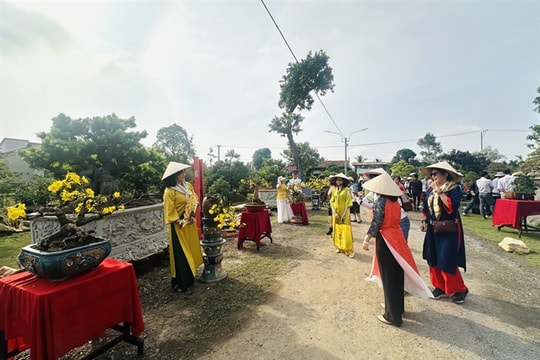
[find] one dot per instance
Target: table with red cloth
(514, 213)
(299, 209)
(51, 318)
(254, 226)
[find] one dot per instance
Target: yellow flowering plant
(255, 183)
(15, 217)
(226, 217)
(76, 204)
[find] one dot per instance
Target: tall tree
(312, 74)
(432, 148)
(102, 148)
(175, 144)
(466, 161)
(360, 158)
(259, 157)
(405, 154)
(402, 168)
(307, 155)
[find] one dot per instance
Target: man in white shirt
(484, 195)
(505, 183)
(495, 186)
(295, 181)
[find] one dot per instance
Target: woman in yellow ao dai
(341, 202)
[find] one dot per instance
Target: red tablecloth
(514, 212)
(257, 225)
(299, 208)
(54, 317)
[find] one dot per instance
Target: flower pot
(60, 265)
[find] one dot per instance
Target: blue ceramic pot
(60, 265)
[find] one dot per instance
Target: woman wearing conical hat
(444, 251)
(284, 211)
(393, 267)
(341, 202)
(180, 204)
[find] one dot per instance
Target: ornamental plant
(75, 205)
(226, 217)
(15, 217)
(255, 183)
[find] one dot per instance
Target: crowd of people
(438, 196)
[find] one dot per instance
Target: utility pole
(345, 140)
(482, 133)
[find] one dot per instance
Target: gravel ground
(322, 308)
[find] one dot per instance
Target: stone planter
(134, 233)
(60, 265)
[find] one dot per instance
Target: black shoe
(329, 232)
(438, 293)
(188, 291)
(459, 298)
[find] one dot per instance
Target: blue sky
(401, 69)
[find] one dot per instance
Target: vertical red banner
(198, 184)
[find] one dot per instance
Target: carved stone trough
(134, 233)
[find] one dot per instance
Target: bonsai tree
(76, 205)
(524, 184)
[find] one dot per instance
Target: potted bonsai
(72, 249)
(524, 188)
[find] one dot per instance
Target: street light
(346, 141)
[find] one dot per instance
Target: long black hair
(170, 181)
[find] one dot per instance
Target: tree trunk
(294, 152)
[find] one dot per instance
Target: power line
(374, 143)
(295, 59)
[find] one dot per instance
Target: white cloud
(213, 67)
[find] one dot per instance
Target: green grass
(478, 227)
(10, 247)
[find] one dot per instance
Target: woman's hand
(423, 226)
(365, 243)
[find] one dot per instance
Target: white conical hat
(377, 171)
(173, 168)
(443, 165)
(384, 185)
(341, 175)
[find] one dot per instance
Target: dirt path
(324, 309)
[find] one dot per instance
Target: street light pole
(346, 140)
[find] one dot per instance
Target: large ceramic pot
(60, 265)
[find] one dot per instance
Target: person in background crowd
(484, 195)
(444, 251)
(416, 191)
(180, 204)
(332, 182)
(405, 223)
(505, 183)
(341, 202)
(355, 208)
(295, 181)
(393, 260)
(495, 185)
(426, 182)
(367, 196)
(284, 211)
(475, 199)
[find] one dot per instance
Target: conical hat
(173, 168)
(377, 171)
(384, 185)
(443, 165)
(341, 175)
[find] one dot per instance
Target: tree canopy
(101, 148)
(175, 144)
(310, 74)
(431, 148)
